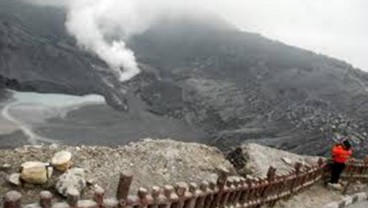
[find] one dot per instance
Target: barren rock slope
(153, 162)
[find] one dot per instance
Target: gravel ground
(359, 205)
(159, 162)
(315, 196)
(153, 162)
(257, 159)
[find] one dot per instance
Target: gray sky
(337, 28)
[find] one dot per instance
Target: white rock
(37, 146)
(90, 182)
(54, 146)
(287, 160)
(30, 164)
(331, 205)
(62, 160)
(70, 180)
(348, 200)
(5, 167)
(361, 196)
(86, 203)
(35, 172)
(14, 179)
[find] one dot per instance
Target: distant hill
(235, 86)
(241, 86)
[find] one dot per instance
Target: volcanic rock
(62, 160)
(34, 172)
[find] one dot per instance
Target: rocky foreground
(153, 162)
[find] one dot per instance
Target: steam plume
(102, 26)
(91, 23)
(313, 25)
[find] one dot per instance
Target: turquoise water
(55, 100)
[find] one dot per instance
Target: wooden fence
(227, 191)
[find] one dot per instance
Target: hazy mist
(335, 28)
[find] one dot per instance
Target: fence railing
(227, 191)
(357, 170)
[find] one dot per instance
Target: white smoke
(94, 22)
(91, 22)
(102, 26)
(313, 25)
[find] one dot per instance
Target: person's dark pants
(336, 170)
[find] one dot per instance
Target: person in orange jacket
(341, 153)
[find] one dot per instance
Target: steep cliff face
(234, 86)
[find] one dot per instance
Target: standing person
(341, 153)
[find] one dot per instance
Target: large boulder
(35, 172)
(255, 160)
(62, 160)
(70, 181)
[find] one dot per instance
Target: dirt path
(359, 205)
(6, 126)
(33, 138)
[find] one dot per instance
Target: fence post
(244, 192)
(238, 191)
(99, 194)
(361, 168)
(193, 197)
(171, 196)
(202, 192)
(289, 183)
(157, 200)
(226, 199)
(12, 199)
(72, 197)
(349, 177)
(365, 164)
(259, 189)
(269, 190)
(323, 170)
(45, 199)
(233, 192)
(144, 198)
(213, 189)
(221, 183)
(181, 189)
(321, 165)
(297, 180)
(122, 191)
(251, 188)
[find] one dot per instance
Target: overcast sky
(338, 28)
